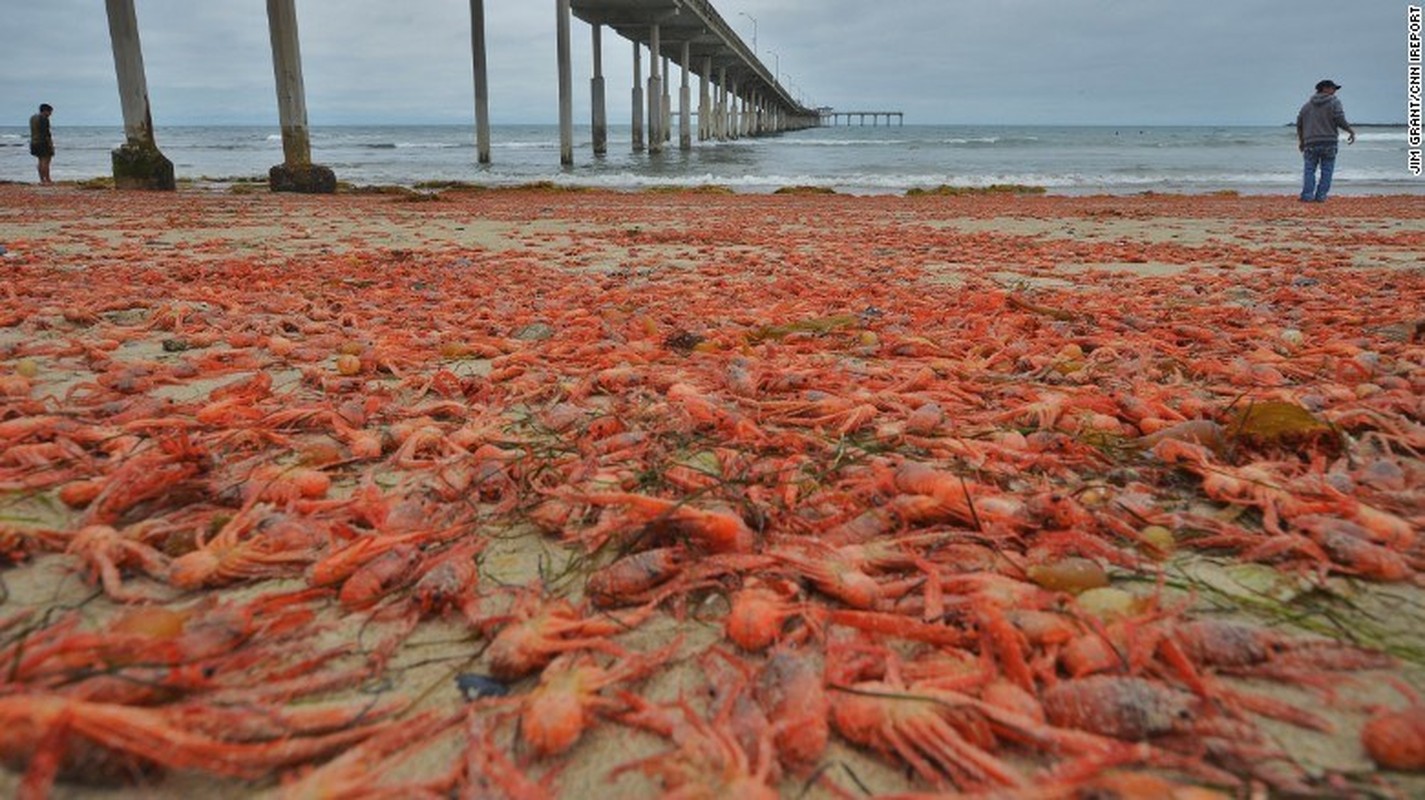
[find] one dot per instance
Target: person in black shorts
(41, 142)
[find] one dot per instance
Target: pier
(832, 117)
(737, 94)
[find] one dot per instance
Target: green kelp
(1276, 424)
(815, 325)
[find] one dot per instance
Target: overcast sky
(940, 61)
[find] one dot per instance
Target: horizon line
(470, 124)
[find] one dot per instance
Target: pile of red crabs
(796, 516)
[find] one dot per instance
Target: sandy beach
(981, 385)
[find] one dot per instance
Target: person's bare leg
(44, 172)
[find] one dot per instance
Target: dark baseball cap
(1327, 84)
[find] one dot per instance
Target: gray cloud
(950, 61)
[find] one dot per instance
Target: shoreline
(257, 184)
(860, 161)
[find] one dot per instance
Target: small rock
(475, 686)
(534, 332)
(683, 341)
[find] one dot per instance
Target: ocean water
(850, 159)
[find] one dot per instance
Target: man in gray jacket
(1316, 126)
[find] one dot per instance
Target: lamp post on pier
(754, 30)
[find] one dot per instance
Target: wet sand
(230, 247)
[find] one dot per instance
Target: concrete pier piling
(720, 115)
(705, 101)
(566, 85)
(637, 123)
(482, 83)
(685, 112)
(598, 112)
(137, 163)
(655, 94)
(667, 104)
(296, 173)
(734, 123)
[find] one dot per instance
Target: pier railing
(835, 116)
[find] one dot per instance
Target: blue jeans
(1323, 155)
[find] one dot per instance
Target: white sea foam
(413, 145)
(549, 145)
(1392, 136)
